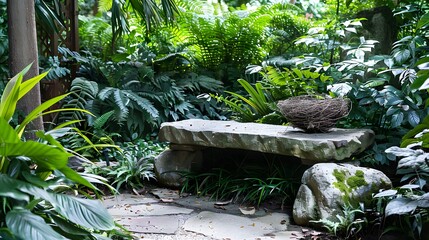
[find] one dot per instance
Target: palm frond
(49, 16)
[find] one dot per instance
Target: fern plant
(260, 103)
(292, 82)
(346, 225)
(133, 97)
(248, 109)
(226, 44)
(82, 92)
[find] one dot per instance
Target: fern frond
(101, 121)
(105, 93)
(195, 82)
(104, 5)
(143, 103)
(121, 100)
(82, 91)
(241, 111)
(85, 88)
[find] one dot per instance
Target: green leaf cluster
(134, 97)
(258, 102)
(245, 181)
(133, 163)
(31, 207)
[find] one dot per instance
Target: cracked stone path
(164, 215)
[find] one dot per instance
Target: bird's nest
(313, 114)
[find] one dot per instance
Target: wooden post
(22, 52)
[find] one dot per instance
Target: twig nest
(313, 114)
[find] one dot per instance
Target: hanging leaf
(400, 152)
(397, 119)
(413, 118)
(85, 212)
(10, 188)
(400, 206)
(387, 193)
(26, 225)
(424, 20)
(46, 156)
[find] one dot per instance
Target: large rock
(327, 187)
(171, 164)
(338, 144)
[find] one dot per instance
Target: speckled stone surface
(336, 145)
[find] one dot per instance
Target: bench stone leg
(171, 163)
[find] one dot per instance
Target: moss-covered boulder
(327, 187)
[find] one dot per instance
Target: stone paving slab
(153, 224)
(226, 226)
(147, 210)
(178, 236)
(127, 199)
(193, 218)
(166, 194)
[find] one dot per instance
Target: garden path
(162, 214)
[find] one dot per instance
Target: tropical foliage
(132, 165)
(33, 207)
(143, 63)
(134, 95)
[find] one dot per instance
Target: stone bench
(188, 138)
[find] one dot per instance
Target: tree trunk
(22, 52)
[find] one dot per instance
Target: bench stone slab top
(337, 144)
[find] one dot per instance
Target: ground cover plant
(248, 179)
(130, 166)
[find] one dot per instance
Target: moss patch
(341, 184)
(358, 180)
(347, 184)
(340, 175)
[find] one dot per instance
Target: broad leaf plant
(32, 208)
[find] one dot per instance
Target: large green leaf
(424, 20)
(401, 206)
(10, 188)
(76, 177)
(85, 212)
(45, 156)
(15, 90)
(27, 85)
(7, 133)
(10, 96)
(69, 228)
(26, 225)
(37, 112)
